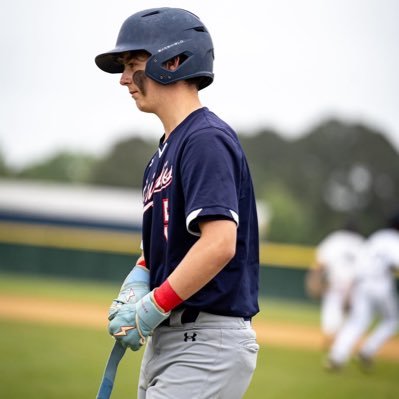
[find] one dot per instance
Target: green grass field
(57, 362)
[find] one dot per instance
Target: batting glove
(135, 286)
(135, 322)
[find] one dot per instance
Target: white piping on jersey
(149, 205)
(160, 152)
(195, 213)
(190, 218)
(235, 217)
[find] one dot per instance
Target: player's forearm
(206, 258)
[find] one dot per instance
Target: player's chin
(143, 107)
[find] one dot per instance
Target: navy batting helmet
(165, 33)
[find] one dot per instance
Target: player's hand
(135, 286)
(123, 327)
(135, 322)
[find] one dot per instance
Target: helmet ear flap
(195, 62)
(199, 81)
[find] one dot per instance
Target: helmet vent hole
(150, 13)
(184, 57)
(200, 29)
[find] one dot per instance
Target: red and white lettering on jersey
(158, 183)
(165, 212)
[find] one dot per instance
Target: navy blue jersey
(201, 173)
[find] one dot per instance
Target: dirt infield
(94, 316)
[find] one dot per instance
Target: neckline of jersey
(162, 140)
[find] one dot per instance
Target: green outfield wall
(276, 281)
(109, 255)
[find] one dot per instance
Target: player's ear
(172, 64)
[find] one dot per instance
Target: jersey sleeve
(210, 172)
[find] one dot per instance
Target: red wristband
(141, 263)
(166, 297)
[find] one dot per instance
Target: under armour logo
(187, 337)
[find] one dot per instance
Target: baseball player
(374, 295)
(200, 231)
(335, 264)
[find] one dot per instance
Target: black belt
(189, 315)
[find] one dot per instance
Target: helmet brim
(108, 62)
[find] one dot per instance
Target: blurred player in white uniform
(374, 295)
(335, 263)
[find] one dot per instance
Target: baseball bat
(108, 379)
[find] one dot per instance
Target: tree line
(336, 173)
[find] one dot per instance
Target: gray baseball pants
(211, 358)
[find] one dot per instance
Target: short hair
(142, 55)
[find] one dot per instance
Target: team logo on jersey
(158, 183)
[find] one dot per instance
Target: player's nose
(126, 78)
